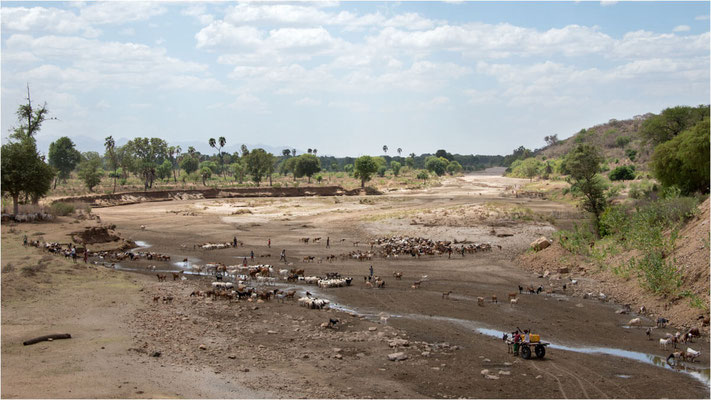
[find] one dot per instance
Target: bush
(657, 274)
(61, 209)
(684, 160)
(622, 141)
(623, 173)
(613, 221)
(576, 241)
(631, 154)
(642, 190)
(381, 171)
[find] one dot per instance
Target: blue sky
(350, 77)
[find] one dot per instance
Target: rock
(398, 342)
(400, 356)
(508, 364)
(323, 325)
(486, 360)
(563, 270)
(546, 273)
(539, 376)
(232, 356)
(156, 354)
(484, 371)
(502, 372)
(338, 357)
(425, 353)
(272, 332)
(493, 377)
(245, 370)
(372, 329)
(202, 347)
(540, 243)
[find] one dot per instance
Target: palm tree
(221, 141)
(315, 151)
(178, 150)
(286, 152)
(399, 151)
(385, 149)
(110, 144)
(309, 151)
(293, 152)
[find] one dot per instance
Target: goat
(168, 299)
(445, 295)
(380, 283)
(663, 343)
(635, 322)
(416, 284)
(494, 299)
(691, 354)
(176, 275)
(156, 298)
(693, 332)
(305, 240)
(662, 322)
(512, 295)
(513, 301)
(332, 323)
(397, 275)
(539, 290)
(161, 277)
(480, 301)
(143, 227)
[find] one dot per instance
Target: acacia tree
(365, 167)
(149, 153)
(63, 157)
(684, 160)
(259, 163)
(583, 165)
(90, 172)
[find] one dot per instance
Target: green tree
(306, 165)
(174, 155)
(148, 153)
(238, 170)
(110, 146)
(395, 166)
(348, 168)
(436, 165)
(530, 167)
(423, 175)
(63, 157)
(210, 164)
(410, 161)
(205, 174)
(365, 167)
(23, 170)
(90, 172)
(671, 122)
(165, 170)
(454, 167)
(381, 170)
(583, 165)
(189, 164)
(684, 160)
(259, 163)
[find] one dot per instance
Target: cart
(538, 347)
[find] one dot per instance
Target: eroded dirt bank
(273, 349)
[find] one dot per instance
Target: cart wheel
(525, 352)
(540, 351)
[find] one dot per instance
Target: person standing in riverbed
(234, 242)
(283, 255)
(371, 272)
(328, 242)
(86, 255)
(269, 243)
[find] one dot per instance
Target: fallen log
(47, 337)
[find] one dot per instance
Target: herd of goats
(256, 282)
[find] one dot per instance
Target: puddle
(141, 245)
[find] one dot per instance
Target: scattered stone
(232, 356)
(202, 347)
(156, 354)
(338, 357)
(539, 376)
(425, 353)
(372, 329)
(508, 364)
(493, 377)
(540, 243)
(400, 356)
(484, 371)
(399, 342)
(272, 332)
(246, 370)
(486, 360)
(546, 273)
(502, 372)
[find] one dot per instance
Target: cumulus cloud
(681, 28)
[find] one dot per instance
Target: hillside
(610, 137)
(691, 256)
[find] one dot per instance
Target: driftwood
(47, 337)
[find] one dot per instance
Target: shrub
(623, 173)
(62, 209)
(622, 141)
(576, 241)
(613, 221)
(631, 154)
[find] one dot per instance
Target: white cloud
(704, 17)
(307, 101)
(119, 12)
(127, 32)
(52, 20)
(681, 28)
(92, 63)
(607, 3)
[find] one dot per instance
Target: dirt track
(277, 349)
